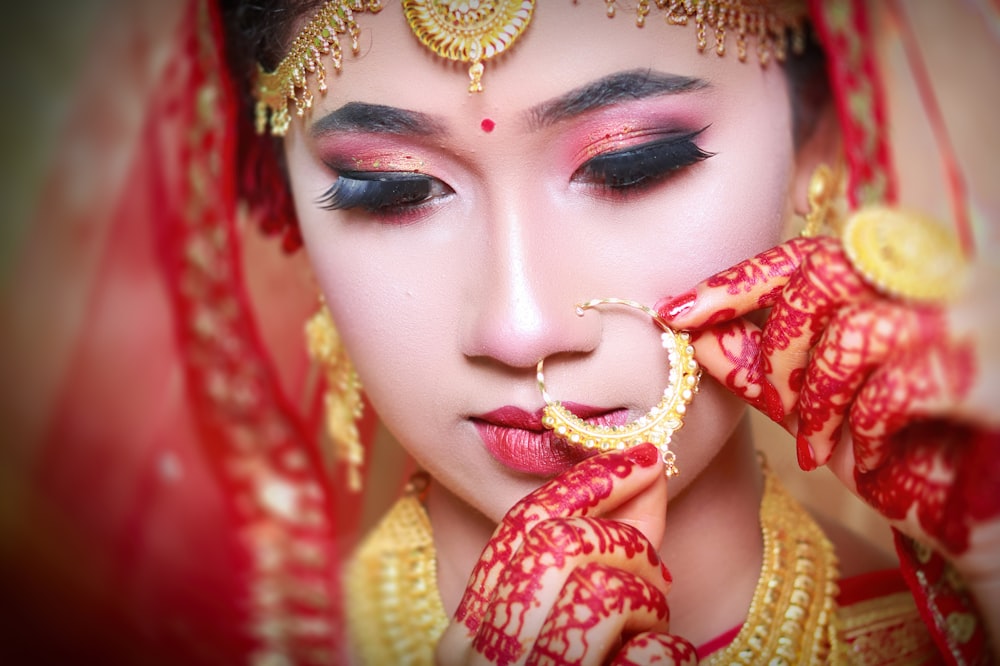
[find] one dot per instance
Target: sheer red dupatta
(856, 75)
(176, 509)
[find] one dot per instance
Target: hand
(571, 575)
(915, 385)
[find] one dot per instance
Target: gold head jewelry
(473, 31)
(290, 80)
(905, 254)
(659, 424)
(342, 401)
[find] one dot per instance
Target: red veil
(167, 501)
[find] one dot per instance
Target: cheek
(741, 210)
(393, 313)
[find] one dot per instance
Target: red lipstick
(517, 439)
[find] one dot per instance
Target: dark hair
(809, 88)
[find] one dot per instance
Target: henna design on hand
(579, 492)
(653, 648)
(909, 459)
(768, 269)
(559, 583)
(551, 552)
(834, 349)
(598, 604)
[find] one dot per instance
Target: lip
(517, 439)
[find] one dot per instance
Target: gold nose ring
(659, 424)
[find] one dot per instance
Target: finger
(656, 648)
(535, 580)
(932, 376)
(749, 285)
(938, 484)
(730, 352)
(592, 488)
(825, 281)
(857, 339)
(598, 605)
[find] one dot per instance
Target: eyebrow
(621, 86)
(376, 119)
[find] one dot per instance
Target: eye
(382, 193)
(632, 169)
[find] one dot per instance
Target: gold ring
(659, 424)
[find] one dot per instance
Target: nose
(525, 301)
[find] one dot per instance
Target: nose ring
(659, 424)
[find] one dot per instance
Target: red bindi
(487, 125)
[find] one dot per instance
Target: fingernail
(673, 308)
(804, 453)
(643, 455)
(771, 402)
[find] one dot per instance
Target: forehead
(565, 46)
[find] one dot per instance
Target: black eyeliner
(645, 163)
(375, 191)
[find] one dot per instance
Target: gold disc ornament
(659, 424)
(905, 254)
(470, 31)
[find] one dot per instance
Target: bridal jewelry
(342, 401)
(396, 615)
(473, 31)
(656, 427)
(469, 32)
(905, 254)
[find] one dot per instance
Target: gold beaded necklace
(396, 616)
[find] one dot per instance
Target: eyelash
(635, 169)
(400, 194)
(384, 193)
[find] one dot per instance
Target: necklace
(396, 616)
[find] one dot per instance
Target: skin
(446, 311)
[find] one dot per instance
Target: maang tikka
(659, 424)
(474, 31)
(342, 402)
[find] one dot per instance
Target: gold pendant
(470, 31)
(905, 254)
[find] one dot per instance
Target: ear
(822, 145)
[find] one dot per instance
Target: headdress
(476, 31)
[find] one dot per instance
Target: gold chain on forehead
(473, 31)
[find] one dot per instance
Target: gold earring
(826, 206)
(659, 424)
(342, 401)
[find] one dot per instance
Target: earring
(342, 400)
(659, 424)
(826, 206)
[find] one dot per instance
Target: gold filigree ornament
(396, 615)
(474, 31)
(905, 254)
(319, 40)
(659, 424)
(342, 402)
(468, 31)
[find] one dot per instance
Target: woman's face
(578, 173)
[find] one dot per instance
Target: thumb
(646, 510)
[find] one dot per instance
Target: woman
(453, 234)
